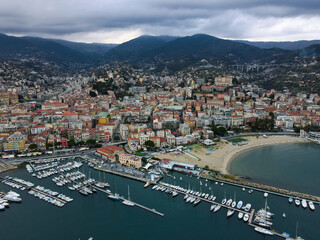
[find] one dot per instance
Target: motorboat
(240, 215)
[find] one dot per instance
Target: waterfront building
(130, 160)
(15, 142)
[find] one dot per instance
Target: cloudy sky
(121, 20)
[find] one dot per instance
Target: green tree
(33, 146)
(49, 145)
(91, 141)
(149, 144)
(71, 143)
(57, 144)
(116, 138)
(81, 143)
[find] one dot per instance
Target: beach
(221, 155)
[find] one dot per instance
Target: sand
(220, 159)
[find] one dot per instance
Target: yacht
(304, 203)
(128, 202)
(263, 230)
(217, 208)
(230, 212)
(240, 215)
(174, 194)
(146, 185)
(290, 200)
(186, 196)
(297, 202)
(196, 202)
(212, 207)
(247, 207)
(239, 205)
(229, 202)
(311, 205)
(265, 194)
(114, 196)
(284, 215)
(246, 217)
(250, 191)
(224, 201)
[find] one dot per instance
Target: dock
(136, 204)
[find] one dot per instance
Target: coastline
(280, 140)
(223, 153)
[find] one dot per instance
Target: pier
(136, 204)
(261, 188)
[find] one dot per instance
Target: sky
(118, 21)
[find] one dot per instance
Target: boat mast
(128, 193)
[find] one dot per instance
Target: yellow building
(130, 160)
(15, 142)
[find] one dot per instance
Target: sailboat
(114, 196)
(128, 202)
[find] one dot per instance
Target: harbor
(67, 178)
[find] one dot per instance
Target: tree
(57, 144)
(80, 143)
(49, 145)
(71, 143)
(149, 144)
(91, 141)
(116, 138)
(33, 146)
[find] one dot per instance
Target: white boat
(233, 204)
(265, 194)
(197, 201)
(128, 202)
(246, 217)
(174, 194)
(243, 189)
(240, 215)
(229, 202)
(224, 201)
(263, 230)
(230, 212)
(217, 208)
(146, 185)
(250, 191)
(297, 202)
(290, 200)
(1, 207)
(311, 205)
(247, 207)
(304, 203)
(212, 207)
(284, 215)
(186, 196)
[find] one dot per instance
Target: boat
(304, 203)
(114, 196)
(297, 202)
(146, 185)
(246, 217)
(196, 202)
(265, 194)
(217, 208)
(240, 215)
(230, 212)
(311, 205)
(243, 189)
(186, 196)
(284, 215)
(290, 200)
(239, 205)
(263, 230)
(224, 201)
(247, 207)
(174, 194)
(212, 207)
(128, 202)
(250, 191)
(229, 202)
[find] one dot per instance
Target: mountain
(310, 51)
(21, 47)
(295, 45)
(146, 49)
(98, 48)
(136, 49)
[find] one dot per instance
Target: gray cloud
(105, 20)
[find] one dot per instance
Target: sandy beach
(220, 159)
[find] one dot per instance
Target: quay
(263, 189)
(48, 195)
(209, 201)
(136, 204)
(127, 175)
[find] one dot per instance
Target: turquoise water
(293, 166)
(102, 218)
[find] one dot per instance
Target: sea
(98, 217)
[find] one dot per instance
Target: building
(223, 81)
(15, 142)
(130, 160)
(110, 152)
